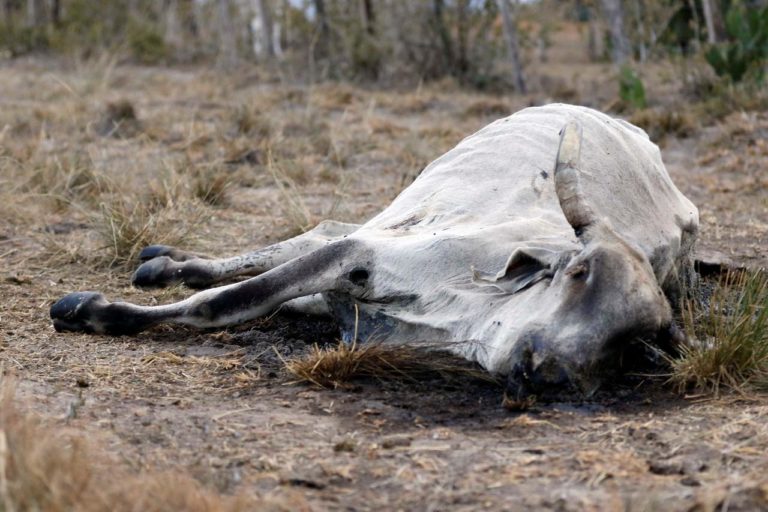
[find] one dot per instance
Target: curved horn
(567, 187)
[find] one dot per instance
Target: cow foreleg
(164, 266)
(320, 271)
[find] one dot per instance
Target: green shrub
(747, 49)
(631, 89)
(146, 43)
(20, 40)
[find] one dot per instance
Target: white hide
(492, 197)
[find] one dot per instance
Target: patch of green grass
(727, 336)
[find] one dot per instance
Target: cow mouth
(624, 355)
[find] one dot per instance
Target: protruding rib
(567, 186)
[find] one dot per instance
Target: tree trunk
(36, 15)
(369, 18)
(277, 28)
(595, 42)
(265, 16)
(322, 57)
(513, 49)
(462, 58)
(696, 25)
(324, 37)
(227, 55)
(443, 33)
(713, 20)
(640, 18)
(614, 13)
(56, 12)
(173, 33)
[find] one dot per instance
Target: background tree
(614, 14)
(513, 49)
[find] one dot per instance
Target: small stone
(395, 441)
(346, 445)
(690, 481)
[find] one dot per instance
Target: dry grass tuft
(294, 207)
(660, 122)
(64, 181)
(728, 336)
(251, 121)
(119, 120)
(57, 470)
(337, 367)
(211, 184)
(488, 107)
(127, 226)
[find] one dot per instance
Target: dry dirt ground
(219, 405)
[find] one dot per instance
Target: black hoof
(75, 312)
(154, 251)
(155, 273)
(164, 271)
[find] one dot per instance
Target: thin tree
(614, 13)
(267, 33)
(640, 19)
(173, 32)
(36, 16)
(227, 56)
(438, 8)
(696, 25)
(369, 17)
(713, 20)
(513, 49)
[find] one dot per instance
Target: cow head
(598, 298)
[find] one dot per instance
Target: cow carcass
(537, 247)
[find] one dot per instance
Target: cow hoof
(154, 273)
(154, 251)
(74, 312)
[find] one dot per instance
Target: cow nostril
(358, 276)
(549, 373)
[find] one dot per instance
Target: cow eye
(578, 271)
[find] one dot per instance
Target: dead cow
(538, 247)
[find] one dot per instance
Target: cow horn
(567, 187)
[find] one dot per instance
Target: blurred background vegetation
(482, 44)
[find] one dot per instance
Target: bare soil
(219, 405)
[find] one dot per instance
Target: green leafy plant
(631, 89)
(747, 49)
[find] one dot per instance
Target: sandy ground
(219, 405)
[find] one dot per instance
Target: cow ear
(525, 267)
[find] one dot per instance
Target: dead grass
(661, 122)
(488, 107)
(251, 120)
(211, 184)
(293, 205)
(57, 470)
(62, 181)
(340, 365)
(728, 336)
(126, 226)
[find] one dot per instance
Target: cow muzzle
(538, 370)
(539, 376)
